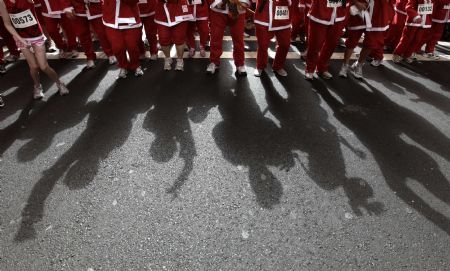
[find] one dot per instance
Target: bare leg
(166, 50)
(365, 52)
(347, 55)
(33, 65)
(41, 58)
(180, 51)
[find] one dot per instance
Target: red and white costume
(9, 42)
(304, 6)
(171, 18)
(272, 19)
(219, 19)
(147, 12)
(89, 14)
(413, 32)
(53, 15)
(440, 16)
(200, 11)
(123, 28)
(23, 18)
(297, 18)
(327, 19)
(397, 24)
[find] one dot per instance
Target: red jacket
(147, 8)
(224, 9)
(376, 18)
(121, 14)
(92, 9)
(327, 12)
(24, 19)
(419, 8)
(274, 14)
(54, 8)
(170, 14)
(441, 12)
(200, 10)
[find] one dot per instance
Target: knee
(44, 67)
(34, 68)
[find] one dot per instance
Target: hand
(417, 20)
(361, 6)
(70, 14)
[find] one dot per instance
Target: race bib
(447, 6)
(282, 13)
(334, 3)
(184, 8)
(130, 20)
(425, 9)
(23, 19)
(188, 17)
(142, 1)
(196, 2)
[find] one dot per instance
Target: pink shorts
(39, 41)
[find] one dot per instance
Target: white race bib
(182, 18)
(23, 19)
(142, 1)
(447, 6)
(130, 20)
(282, 13)
(425, 9)
(196, 2)
(334, 3)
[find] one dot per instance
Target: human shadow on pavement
(247, 138)
(305, 124)
(108, 127)
(168, 121)
(41, 121)
(381, 125)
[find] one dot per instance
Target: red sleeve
(411, 9)
(130, 2)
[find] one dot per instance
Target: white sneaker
(147, 54)
(11, 58)
(180, 65)
(38, 92)
(281, 72)
(168, 64)
(211, 69)
(154, 57)
(356, 70)
(241, 71)
(414, 56)
(257, 72)
(138, 72)
(112, 60)
(122, 73)
(326, 75)
(431, 56)
(409, 60)
(63, 90)
(90, 64)
(397, 58)
(376, 62)
(344, 71)
(309, 76)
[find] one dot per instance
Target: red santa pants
(296, 18)
(322, 40)
(395, 30)
(410, 41)
(9, 41)
(218, 23)
(150, 28)
(84, 35)
(203, 30)
(432, 36)
(123, 41)
(169, 35)
(263, 35)
(52, 26)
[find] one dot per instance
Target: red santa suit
(326, 23)
(272, 19)
(440, 16)
(24, 20)
(297, 19)
(123, 28)
(304, 6)
(147, 12)
(219, 19)
(413, 32)
(9, 42)
(200, 11)
(397, 24)
(171, 18)
(53, 15)
(89, 14)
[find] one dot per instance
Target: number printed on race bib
(282, 13)
(425, 9)
(196, 2)
(447, 6)
(334, 3)
(23, 19)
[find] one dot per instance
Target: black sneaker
(2, 69)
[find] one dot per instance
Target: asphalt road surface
(184, 171)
